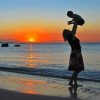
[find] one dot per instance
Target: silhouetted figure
(76, 19)
(76, 60)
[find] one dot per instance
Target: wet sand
(14, 87)
(11, 95)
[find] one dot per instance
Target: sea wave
(87, 75)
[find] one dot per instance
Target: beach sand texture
(37, 88)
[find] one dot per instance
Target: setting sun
(31, 40)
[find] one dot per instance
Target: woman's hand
(70, 22)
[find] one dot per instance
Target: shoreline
(32, 71)
(17, 87)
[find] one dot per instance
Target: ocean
(49, 60)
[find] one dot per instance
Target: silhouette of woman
(76, 63)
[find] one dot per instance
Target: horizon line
(43, 42)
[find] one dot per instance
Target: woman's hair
(66, 34)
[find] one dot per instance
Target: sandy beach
(11, 95)
(37, 88)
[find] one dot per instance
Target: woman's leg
(71, 80)
(74, 78)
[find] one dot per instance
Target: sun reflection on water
(31, 58)
(24, 85)
(31, 86)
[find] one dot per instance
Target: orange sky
(46, 32)
(43, 22)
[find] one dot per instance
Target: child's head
(70, 14)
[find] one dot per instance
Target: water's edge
(55, 73)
